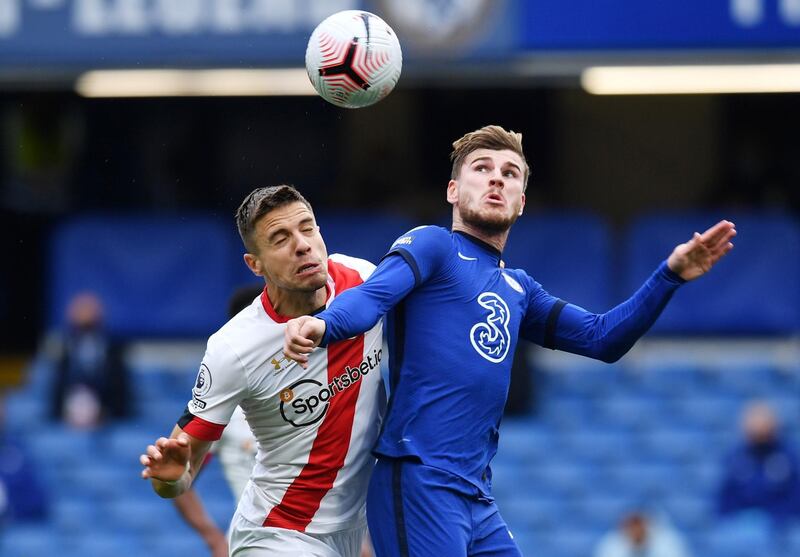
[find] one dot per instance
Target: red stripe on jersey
(303, 498)
(203, 430)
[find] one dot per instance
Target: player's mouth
(308, 269)
(495, 199)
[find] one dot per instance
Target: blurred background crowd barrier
(131, 130)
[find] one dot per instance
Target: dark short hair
(258, 203)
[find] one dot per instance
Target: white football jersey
(314, 427)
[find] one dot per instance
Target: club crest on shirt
(513, 283)
(203, 382)
(491, 338)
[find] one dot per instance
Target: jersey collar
(481, 246)
(277, 317)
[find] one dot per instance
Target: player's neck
(495, 239)
(292, 303)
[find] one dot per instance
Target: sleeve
(424, 248)
(220, 385)
(554, 323)
(358, 309)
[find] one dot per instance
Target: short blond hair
(488, 137)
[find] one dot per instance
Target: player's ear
(253, 264)
(452, 191)
(522, 206)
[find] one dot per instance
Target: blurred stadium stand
(653, 439)
(616, 183)
(173, 291)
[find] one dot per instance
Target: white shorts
(246, 539)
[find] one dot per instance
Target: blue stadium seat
(636, 412)
(29, 540)
(748, 535)
(103, 543)
(572, 479)
(76, 514)
(532, 511)
(61, 444)
(568, 253)
(598, 446)
(676, 444)
(689, 510)
(524, 441)
(766, 261)
(25, 411)
(671, 379)
(645, 481)
(593, 378)
(569, 541)
(715, 411)
(164, 292)
(565, 412)
(143, 511)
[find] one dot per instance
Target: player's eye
(307, 230)
(510, 173)
(279, 241)
(481, 167)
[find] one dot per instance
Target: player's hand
(302, 335)
(696, 257)
(166, 460)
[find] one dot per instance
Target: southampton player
(456, 316)
(314, 424)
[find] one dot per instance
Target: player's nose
(302, 245)
(496, 181)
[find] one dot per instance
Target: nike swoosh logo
(465, 258)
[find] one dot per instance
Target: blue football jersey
(451, 345)
(454, 316)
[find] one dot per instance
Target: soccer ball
(353, 59)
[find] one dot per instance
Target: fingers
(299, 340)
(719, 234)
(293, 353)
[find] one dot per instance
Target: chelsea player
(455, 315)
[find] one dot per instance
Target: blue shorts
(413, 511)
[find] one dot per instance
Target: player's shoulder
(425, 235)
(339, 262)
(520, 280)
(427, 231)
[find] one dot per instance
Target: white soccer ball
(353, 59)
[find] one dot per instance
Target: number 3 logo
(491, 339)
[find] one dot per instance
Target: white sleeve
(220, 386)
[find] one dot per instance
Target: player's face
(291, 253)
(488, 193)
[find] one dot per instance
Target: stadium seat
(34, 539)
(583, 250)
(761, 264)
(164, 293)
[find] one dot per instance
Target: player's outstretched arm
(696, 257)
(302, 335)
(172, 463)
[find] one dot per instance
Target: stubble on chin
(493, 222)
